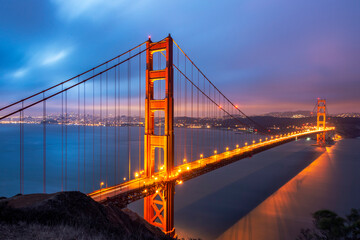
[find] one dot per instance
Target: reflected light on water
(287, 210)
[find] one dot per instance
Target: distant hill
(302, 114)
(295, 114)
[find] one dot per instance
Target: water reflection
(331, 181)
(207, 206)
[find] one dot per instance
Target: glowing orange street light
(227, 148)
(136, 174)
(237, 145)
(246, 144)
(188, 168)
(184, 160)
(101, 184)
(215, 152)
(201, 156)
(124, 178)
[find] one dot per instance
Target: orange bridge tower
(159, 207)
(321, 120)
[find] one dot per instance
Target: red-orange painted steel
(159, 207)
(321, 120)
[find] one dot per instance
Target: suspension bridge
(134, 127)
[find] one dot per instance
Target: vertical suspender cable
(197, 109)
(139, 109)
(101, 126)
(44, 144)
(62, 138)
(129, 113)
(158, 112)
(119, 129)
(93, 132)
(84, 140)
(66, 139)
(116, 124)
(192, 129)
(106, 128)
(22, 149)
(78, 132)
(185, 113)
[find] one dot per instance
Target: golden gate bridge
(135, 126)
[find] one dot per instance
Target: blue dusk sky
(265, 55)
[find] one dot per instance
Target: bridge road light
(184, 160)
(101, 184)
(201, 156)
(124, 178)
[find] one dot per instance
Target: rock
(74, 212)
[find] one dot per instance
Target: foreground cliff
(69, 215)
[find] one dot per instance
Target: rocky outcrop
(70, 215)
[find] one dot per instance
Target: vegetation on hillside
(329, 226)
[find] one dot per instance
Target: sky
(265, 55)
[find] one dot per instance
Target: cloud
(93, 9)
(20, 73)
(55, 57)
(38, 59)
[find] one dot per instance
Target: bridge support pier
(159, 207)
(321, 120)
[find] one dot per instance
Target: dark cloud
(263, 54)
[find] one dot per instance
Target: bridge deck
(141, 187)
